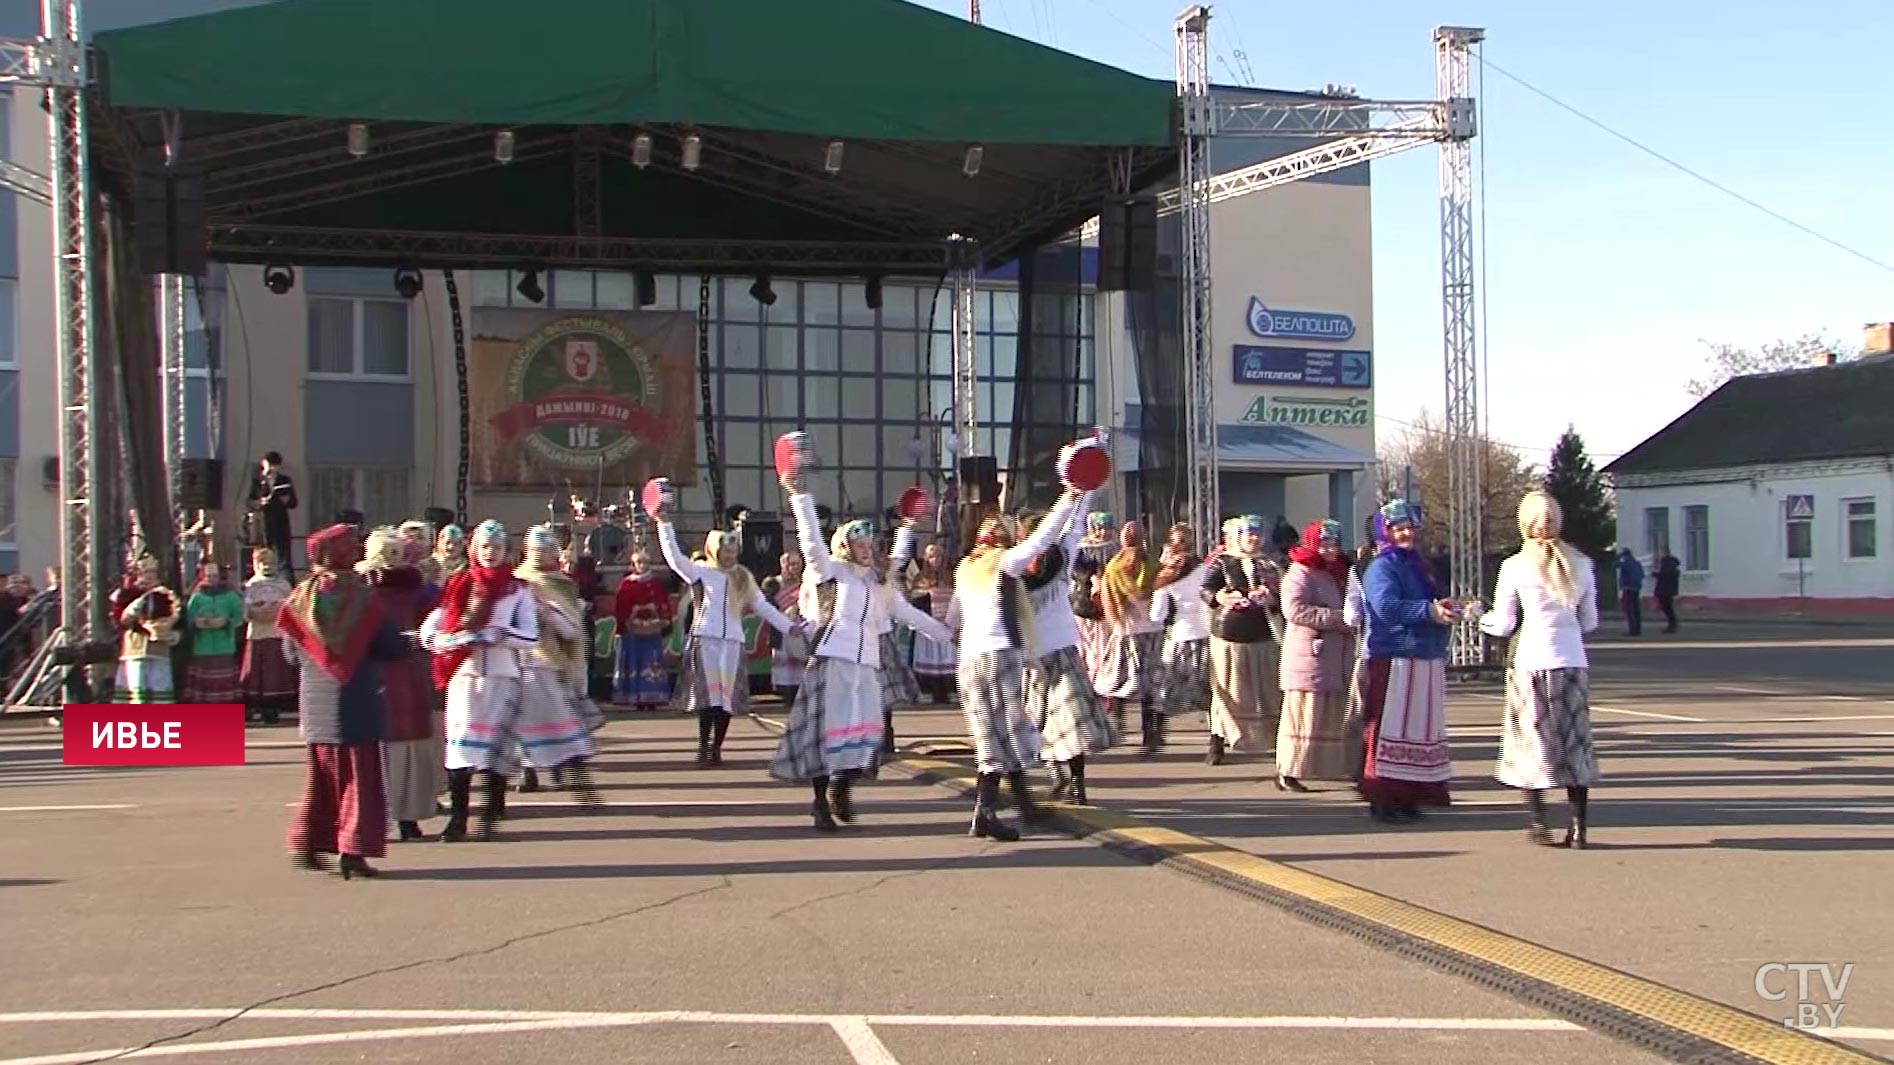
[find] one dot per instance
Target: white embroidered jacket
(513, 629)
(852, 631)
(713, 618)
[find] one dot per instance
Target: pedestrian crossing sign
(1801, 507)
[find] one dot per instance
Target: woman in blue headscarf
(1402, 685)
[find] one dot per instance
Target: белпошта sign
(1299, 325)
(1349, 413)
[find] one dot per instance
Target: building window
(383, 495)
(1697, 539)
(1861, 529)
(1656, 532)
(9, 324)
(350, 337)
(8, 467)
(1798, 534)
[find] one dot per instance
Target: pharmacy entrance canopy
(723, 136)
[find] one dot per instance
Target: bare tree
(1505, 477)
(1724, 361)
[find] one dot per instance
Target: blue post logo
(1299, 325)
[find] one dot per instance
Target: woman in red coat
(413, 752)
(642, 609)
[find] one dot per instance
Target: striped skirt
(268, 677)
(1404, 731)
(898, 684)
(834, 724)
(1059, 699)
(933, 659)
(1129, 668)
(344, 809)
(549, 730)
(1319, 737)
(213, 679)
(145, 680)
(993, 700)
(1546, 742)
(480, 714)
(713, 676)
(1183, 682)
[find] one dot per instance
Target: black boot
(1061, 781)
(819, 810)
(1215, 755)
(1147, 730)
(494, 809)
(719, 728)
(986, 822)
(410, 830)
(354, 865)
(559, 779)
(1078, 781)
(842, 799)
(1116, 707)
(459, 797)
(887, 735)
(529, 780)
(1580, 798)
(1536, 831)
(704, 717)
(1030, 812)
(577, 777)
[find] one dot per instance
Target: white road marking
(63, 809)
(1647, 713)
(863, 1044)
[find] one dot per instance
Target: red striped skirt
(268, 678)
(212, 679)
(344, 808)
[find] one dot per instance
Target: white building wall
(1748, 554)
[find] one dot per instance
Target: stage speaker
(200, 484)
(1127, 245)
(979, 480)
(169, 230)
(762, 545)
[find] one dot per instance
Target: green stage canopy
(261, 98)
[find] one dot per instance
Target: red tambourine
(914, 503)
(1084, 466)
(657, 495)
(795, 454)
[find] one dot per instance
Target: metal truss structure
(962, 263)
(1353, 132)
(171, 366)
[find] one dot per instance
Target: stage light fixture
(530, 288)
(408, 282)
(641, 150)
(762, 292)
(832, 159)
(871, 293)
(358, 139)
(503, 146)
(646, 284)
(971, 165)
(279, 277)
(693, 151)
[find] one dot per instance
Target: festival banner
(565, 397)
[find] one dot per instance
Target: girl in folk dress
(552, 727)
(642, 609)
(932, 591)
(480, 633)
(1318, 735)
(1241, 588)
(998, 637)
(1402, 686)
(1096, 548)
(421, 534)
(713, 678)
(269, 681)
(1547, 601)
(1072, 721)
(791, 654)
(412, 752)
(148, 615)
(899, 686)
(835, 725)
(450, 553)
(1177, 604)
(1128, 670)
(215, 617)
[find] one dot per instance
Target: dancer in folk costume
(932, 591)
(1071, 719)
(998, 637)
(422, 534)
(556, 718)
(1245, 693)
(486, 624)
(1319, 734)
(1546, 602)
(1402, 687)
(412, 750)
(450, 553)
(713, 677)
(1128, 670)
(642, 610)
(214, 616)
(1183, 682)
(836, 723)
(269, 681)
(148, 615)
(899, 686)
(791, 654)
(1095, 551)
(334, 628)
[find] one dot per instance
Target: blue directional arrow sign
(1355, 369)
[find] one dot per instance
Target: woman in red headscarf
(338, 633)
(1317, 739)
(1129, 670)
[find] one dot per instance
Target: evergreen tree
(1574, 481)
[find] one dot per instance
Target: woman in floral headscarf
(336, 631)
(1184, 661)
(1402, 686)
(1129, 669)
(450, 553)
(1315, 740)
(932, 590)
(148, 615)
(1241, 589)
(412, 748)
(556, 714)
(269, 681)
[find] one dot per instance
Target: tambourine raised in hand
(658, 498)
(795, 455)
(1084, 466)
(913, 504)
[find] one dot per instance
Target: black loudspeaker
(168, 226)
(1127, 245)
(200, 484)
(762, 546)
(979, 480)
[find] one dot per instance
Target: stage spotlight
(871, 293)
(646, 284)
(641, 150)
(761, 291)
(408, 282)
(832, 159)
(279, 277)
(693, 151)
(358, 139)
(503, 146)
(530, 288)
(975, 156)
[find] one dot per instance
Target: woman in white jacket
(722, 593)
(1058, 686)
(551, 729)
(1183, 679)
(835, 725)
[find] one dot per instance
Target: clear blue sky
(1605, 266)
